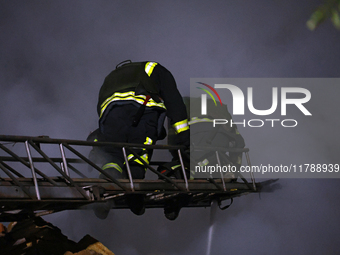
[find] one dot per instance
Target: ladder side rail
(226, 149)
(48, 140)
(38, 159)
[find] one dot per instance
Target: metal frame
(43, 193)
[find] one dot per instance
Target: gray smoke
(56, 54)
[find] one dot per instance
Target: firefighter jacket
(133, 82)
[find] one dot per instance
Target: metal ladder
(25, 189)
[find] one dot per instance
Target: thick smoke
(56, 54)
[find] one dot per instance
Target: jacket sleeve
(173, 101)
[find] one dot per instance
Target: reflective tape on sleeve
(195, 120)
(181, 126)
(149, 66)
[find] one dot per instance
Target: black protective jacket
(132, 82)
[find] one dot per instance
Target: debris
(36, 236)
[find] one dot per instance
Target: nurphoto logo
(238, 103)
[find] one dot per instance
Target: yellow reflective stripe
(130, 156)
(174, 167)
(149, 66)
(112, 165)
(239, 160)
(195, 120)
(203, 162)
(129, 96)
(148, 141)
(192, 173)
(181, 126)
(145, 157)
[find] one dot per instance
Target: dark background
(56, 54)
